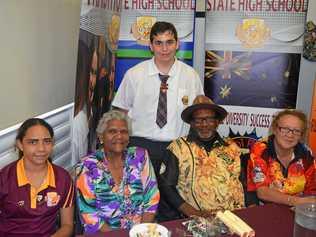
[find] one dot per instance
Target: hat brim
(186, 114)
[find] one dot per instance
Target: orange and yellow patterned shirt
(208, 180)
(264, 169)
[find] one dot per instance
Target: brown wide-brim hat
(203, 102)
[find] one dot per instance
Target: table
(270, 220)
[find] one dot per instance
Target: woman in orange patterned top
(282, 169)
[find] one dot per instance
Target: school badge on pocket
(52, 199)
(185, 100)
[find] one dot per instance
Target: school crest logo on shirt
(185, 100)
(52, 199)
(39, 198)
(258, 175)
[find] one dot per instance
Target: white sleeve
(124, 96)
(198, 85)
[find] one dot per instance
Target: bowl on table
(148, 230)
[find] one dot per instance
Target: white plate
(144, 227)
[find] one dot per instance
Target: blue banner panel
(254, 79)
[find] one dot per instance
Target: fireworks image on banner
(244, 141)
(268, 80)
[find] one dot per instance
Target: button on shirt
(139, 94)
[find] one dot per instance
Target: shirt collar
(299, 150)
(153, 70)
(22, 179)
(215, 141)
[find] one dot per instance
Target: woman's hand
(66, 219)
(148, 217)
(303, 200)
(272, 195)
(105, 228)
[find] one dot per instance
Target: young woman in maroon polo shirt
(33, 190)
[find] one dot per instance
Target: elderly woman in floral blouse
(117, 186)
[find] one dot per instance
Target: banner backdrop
(246, 124)
(267, 80)
(95, 78)
(139, 16)
(252, 61)
(278, 24)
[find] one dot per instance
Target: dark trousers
(156, 151)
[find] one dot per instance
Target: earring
(100, 140)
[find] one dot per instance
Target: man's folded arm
(168, 180)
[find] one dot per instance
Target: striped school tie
(161, 118)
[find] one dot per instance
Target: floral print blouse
(101, 201)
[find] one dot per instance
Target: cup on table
(305, 220)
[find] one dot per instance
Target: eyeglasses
(286, 131)
(167, 43)
(200, 120)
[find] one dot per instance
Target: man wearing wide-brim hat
(200, 172)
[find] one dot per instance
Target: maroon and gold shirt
(27, 211)
(264, 169)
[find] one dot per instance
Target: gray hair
(113, 114)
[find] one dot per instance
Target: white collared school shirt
(139, 94)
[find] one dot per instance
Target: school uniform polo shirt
(27, 211)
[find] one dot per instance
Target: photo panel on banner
(95, 78)
(252, 62)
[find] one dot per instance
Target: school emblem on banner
(141, 29)
(253, 33)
